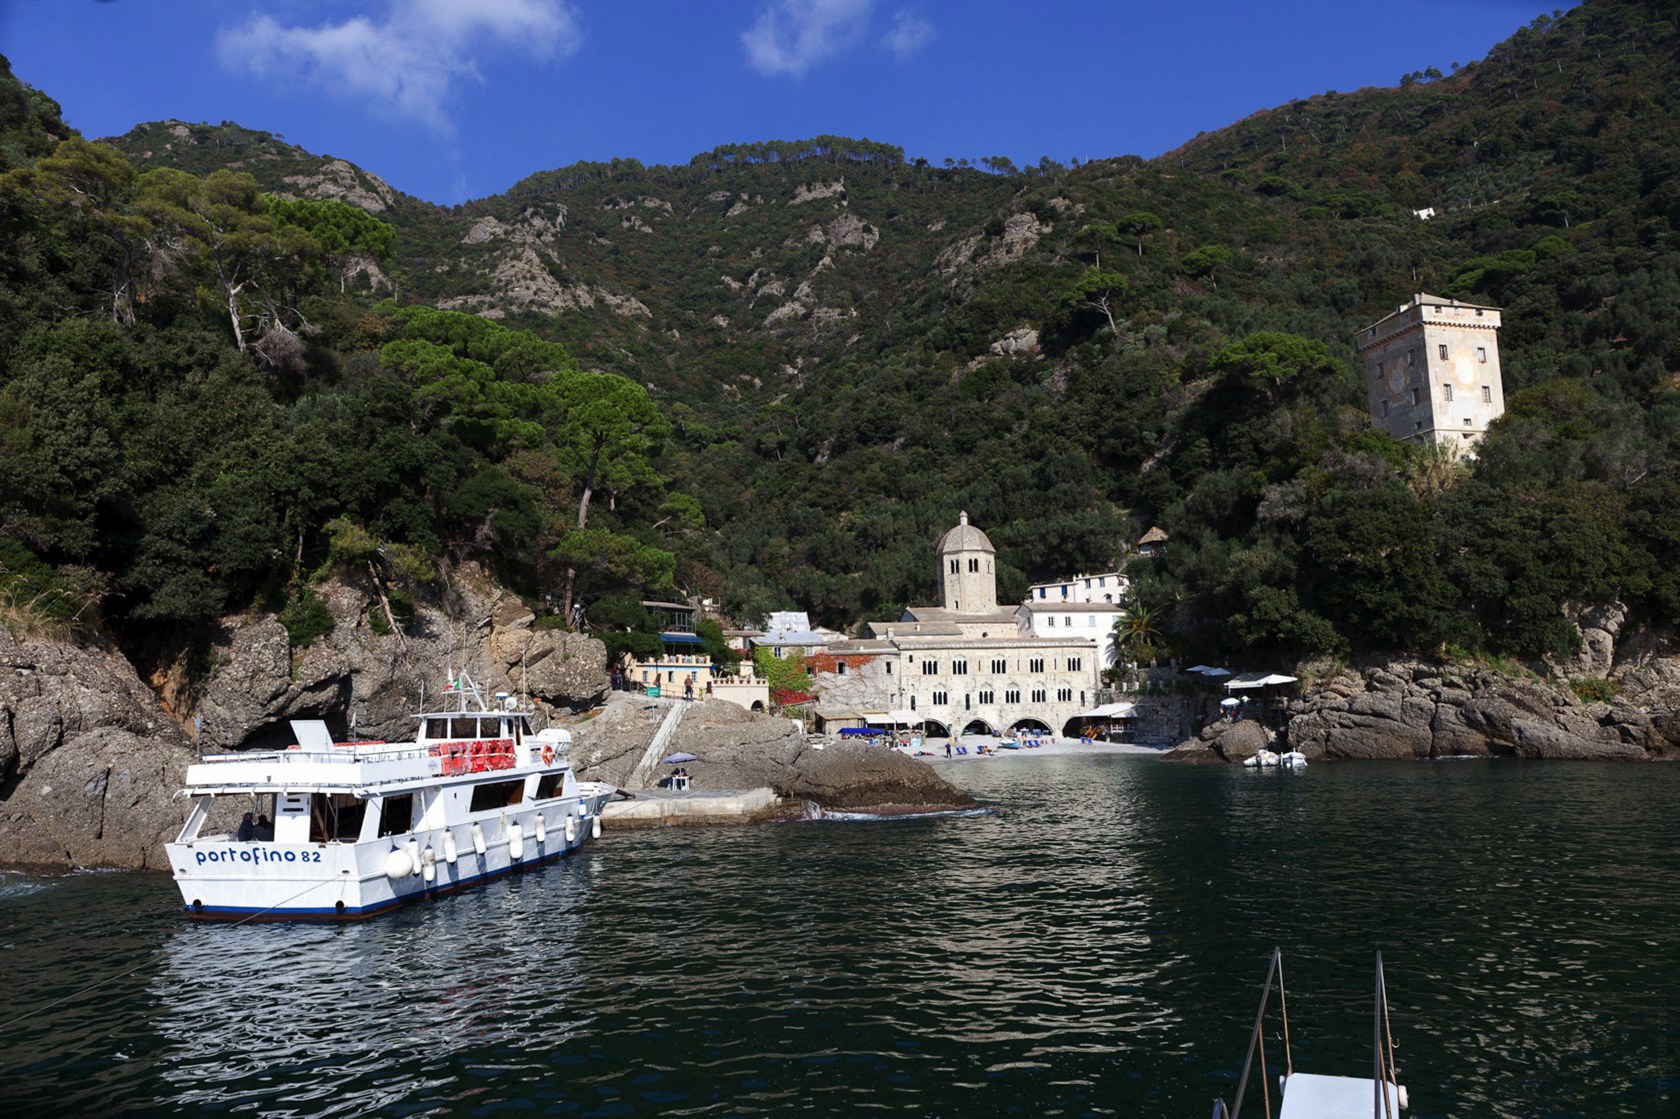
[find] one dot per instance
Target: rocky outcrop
(1224, 741)
(737, 749)
(258, 685)
(1423, 710)
(104, 798)
(89, 760)
(342, 182)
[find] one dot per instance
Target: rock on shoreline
(1414, 709)
(737, 749)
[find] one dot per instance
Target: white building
(1432, 371)
(966, 666)
(1086, 607)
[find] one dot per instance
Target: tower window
(1411, 357)
(1379, 370)
(1487, 394)
(1385, 407)
(954, 567)
(1415, 398)
(1443, 350)
(974, 565)
(1446, 392)
(1481, 354)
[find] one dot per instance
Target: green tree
(1137, 225)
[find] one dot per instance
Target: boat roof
(1312, 1096)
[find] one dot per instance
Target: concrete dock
(654, 808)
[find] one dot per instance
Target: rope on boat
(10, 1022)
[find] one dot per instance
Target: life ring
(548, 753)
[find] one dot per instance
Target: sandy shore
(1052, 747)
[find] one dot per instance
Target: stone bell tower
(968, 570)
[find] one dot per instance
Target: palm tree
(1135, 635)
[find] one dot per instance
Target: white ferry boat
(344, 830)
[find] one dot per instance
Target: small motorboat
(1304, 1095)
(1265, 759)
(1293, 759)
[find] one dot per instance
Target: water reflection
(1093, 947)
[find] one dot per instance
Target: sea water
(1094, 945)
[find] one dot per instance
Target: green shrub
(1592, 690)
(306, 618)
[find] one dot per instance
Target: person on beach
(688, 689)
(947, 749)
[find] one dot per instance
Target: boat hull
(228, 880)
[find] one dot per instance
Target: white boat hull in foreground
(361, 827)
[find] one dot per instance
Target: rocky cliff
(257, 683)
(1415, 709)
(89, 761)
(91, 757)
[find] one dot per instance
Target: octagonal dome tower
(967, 570)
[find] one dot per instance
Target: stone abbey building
(1432, 371)
(966, 666)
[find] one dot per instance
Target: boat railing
(342, 753)
(1385, 1075)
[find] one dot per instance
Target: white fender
(541, 830)
(450, 851)
(571, 829)
(428, 863)
(413, 849)
(478, 840)
(397, 865)
(516, 841)
(595, 826)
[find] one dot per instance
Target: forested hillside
(799, 360)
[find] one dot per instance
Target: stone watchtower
(1432, 371)
(966, 570)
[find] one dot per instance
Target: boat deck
(1311, 1096)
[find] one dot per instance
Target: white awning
(1110, 711)
(1251, 680)
(894, 719)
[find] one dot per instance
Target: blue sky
(456, 99)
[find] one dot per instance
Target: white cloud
(791, 36)
(909, 34)
(408, 62)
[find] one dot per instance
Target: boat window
(463, 728)
(524, 726)
(437, 728)
(335, 816)
(497, 794)
(550, 785)
(396, 814)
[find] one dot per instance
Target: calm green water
(1094, 947)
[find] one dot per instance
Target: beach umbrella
(676, 759)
